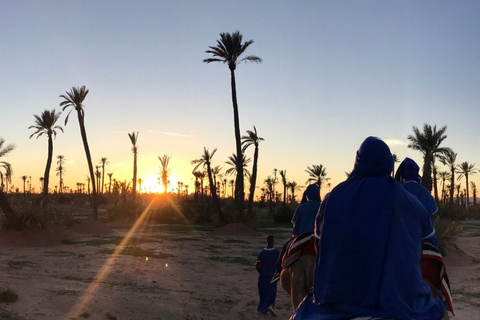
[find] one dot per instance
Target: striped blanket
(303, 244)
(433, 270)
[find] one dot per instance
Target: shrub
(445, 228)
(283, 214)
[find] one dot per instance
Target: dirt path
(164, 274)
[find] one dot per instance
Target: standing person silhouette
(265, 266)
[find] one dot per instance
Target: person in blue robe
(265, 266)
(407, 174)
(303, 219)
(370, 232)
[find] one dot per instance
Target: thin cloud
(171, 134)
(395, 142)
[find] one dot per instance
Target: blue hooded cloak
(370, 230)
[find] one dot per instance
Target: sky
(333, 73)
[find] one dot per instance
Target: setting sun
(152, 184)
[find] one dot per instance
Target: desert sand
(102, 271)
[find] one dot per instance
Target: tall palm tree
(252, 139)
(206, 161)
(45, 124)
(75, 99)
(228, 50)
(5, 168)
(283, 175)
(466, 169)
(317, 174)
(428, 143)
(164, 170)
(133, 139)
(103, 162)
(448, 158)
(60, 170)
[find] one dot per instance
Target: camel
(298, 268)
(297, 278)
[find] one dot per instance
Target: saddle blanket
(433, 270)
(303, 244)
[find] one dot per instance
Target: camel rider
(407, 173)
(303, 220)
(370, 231)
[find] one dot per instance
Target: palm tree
(283, 175)
(140, 182)
(110, 182)
(395, 160)
(164, 170)
(466, 169)
(444, 175)
(206, 161)
(60, 170)
(98, 175)
(133, 139)
(228, 50)
(474, 192)
(293, 186)
(75, 99)
(269, 182)
(248, 140)
(24, 178)
(103, 162)
(317, 174)
(234, 166)
(216, 172)
(5, 168)
(448, 158)
(199, 175)
(428, 143)
(45, 124)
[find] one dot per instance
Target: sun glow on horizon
(152, 184)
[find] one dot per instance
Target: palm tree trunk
(239, 192)
(134, 191)
(467, 198)
(90, 165)
(5, 206)
(253, 181)
(213, 191)
(435, 187)
(452, 185)
(46, 175)
(427, 172)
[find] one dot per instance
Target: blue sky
(333, 73)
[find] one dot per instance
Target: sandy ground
(97, 271)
